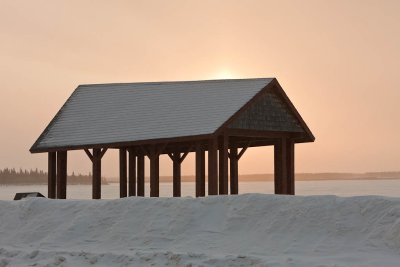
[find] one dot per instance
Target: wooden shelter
(221, 117)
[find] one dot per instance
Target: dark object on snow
(19, 196)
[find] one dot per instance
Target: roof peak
(176, 82)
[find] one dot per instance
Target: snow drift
(246, 230)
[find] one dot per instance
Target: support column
(157, 174)
(96, 176)
(140, 174)
(62, 174)
(284, 166)
(176, 169)
(122, 173)
(213, 167)
(132, 172)
(223, 165)
(290, 168)
(154, 172)
(200, 171)
(279, 165)
(234, 169)
(52, 175)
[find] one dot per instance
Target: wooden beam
(213, 167)
(88, 154)
(96, 174)
(234, 170)
(243, 150)
(62, 174)
(52, 175)
(132, 172)
(103, 151)
(122, 173)
(200, 171)
(264, 134)
(176, 170)
(117, 145)
(160, 149)
(223, 165)
(140, 174)
(184, 155)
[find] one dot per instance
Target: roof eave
(36, 149)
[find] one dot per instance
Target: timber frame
(224, 147)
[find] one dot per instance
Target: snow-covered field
(245, 230)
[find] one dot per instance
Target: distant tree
(10, 176)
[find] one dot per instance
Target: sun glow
(225, 74)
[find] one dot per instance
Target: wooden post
(52, 175)
(122, 173)
(140, 174)
(157, 176)
(290, 168)
(96, 173)
(200, 172)
(284, 166)
(154, 172)
(132, 172)
(176, 169)
(223, 165)
(213, 167)
(279, 166)
(96, 170)
(234, 169)
(177, 160)
(62, 174)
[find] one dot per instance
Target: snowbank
(246, 230)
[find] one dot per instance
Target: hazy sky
(338, 61)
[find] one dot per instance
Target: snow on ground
(245, 230)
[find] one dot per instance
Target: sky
(338, 61)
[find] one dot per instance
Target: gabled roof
(105, 114)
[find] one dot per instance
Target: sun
(224, 74)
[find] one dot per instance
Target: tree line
(24, 177)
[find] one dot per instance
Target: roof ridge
(172, 82)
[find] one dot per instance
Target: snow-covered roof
(117, 113)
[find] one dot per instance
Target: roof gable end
(270, 110)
